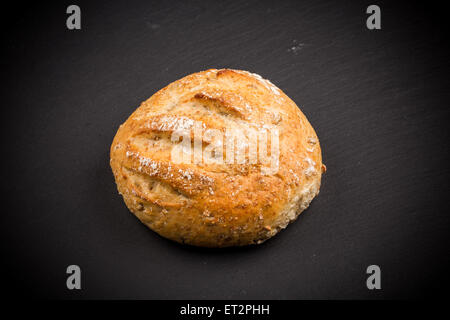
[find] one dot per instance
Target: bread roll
(218, 158)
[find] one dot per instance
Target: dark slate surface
(377, 99)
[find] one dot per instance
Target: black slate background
(377, 99)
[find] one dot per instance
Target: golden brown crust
(216, 204)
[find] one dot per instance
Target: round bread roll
(218, 158)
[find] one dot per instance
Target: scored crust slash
(218, 158)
